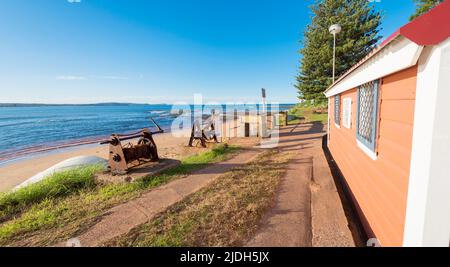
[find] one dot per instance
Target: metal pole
(334, 56)
(263, 116)
(263, 92)
(334, 29)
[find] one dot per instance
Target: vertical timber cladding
(380, 186)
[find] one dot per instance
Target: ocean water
(28, 129)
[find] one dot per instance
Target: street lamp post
(334, 29)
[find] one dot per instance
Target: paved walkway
(307, 210)
(122, 218)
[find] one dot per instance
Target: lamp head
(335, 29)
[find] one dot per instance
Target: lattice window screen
(337, 109)
(367, 114)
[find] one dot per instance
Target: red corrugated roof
(431, 28)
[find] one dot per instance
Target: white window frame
(347, 113)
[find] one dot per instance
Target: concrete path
(330, 226)
(288, 224)
(122, 218)
(307, 210)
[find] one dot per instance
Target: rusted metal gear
(124, 157)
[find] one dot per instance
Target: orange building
(389, 133)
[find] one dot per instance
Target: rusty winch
(123, 157)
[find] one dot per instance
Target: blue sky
(65, 51)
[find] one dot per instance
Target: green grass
(196, 162)
(55, 186)
(225, 213)
(55, 218)
(301, 113)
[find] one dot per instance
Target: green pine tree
(360, 24)
(423, 6)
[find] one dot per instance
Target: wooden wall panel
(380, 186)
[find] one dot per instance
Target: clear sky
(148, 51)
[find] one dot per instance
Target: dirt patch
(146, 170)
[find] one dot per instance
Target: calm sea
(30, 129)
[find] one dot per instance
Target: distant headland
(56, 105)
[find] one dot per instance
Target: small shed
(389, 133)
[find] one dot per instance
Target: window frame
(347, 104)
(369, 147)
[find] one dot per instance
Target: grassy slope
(226, 213)
(57, 186)
(48, 218)
(302, 113)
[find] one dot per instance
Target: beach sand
(13, 174)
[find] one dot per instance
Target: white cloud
(113, 77)
(74, 1)
(70, 78)
(80, 78)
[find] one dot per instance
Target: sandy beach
(13, 174)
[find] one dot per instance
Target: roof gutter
(429, 29)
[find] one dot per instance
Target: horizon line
(121, 103)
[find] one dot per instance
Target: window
(337, 110)
(347, 113)
(367, 116)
